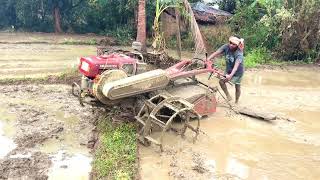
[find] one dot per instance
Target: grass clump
(65, 77)
(69, 74)
(123, 35)
(115, 157)
(77, 42)
(254, 58)
(257, 57)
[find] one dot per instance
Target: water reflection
(237, 168)
(7, 144)
(76, 166)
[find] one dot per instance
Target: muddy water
(7, 131)
(237, 147)
(71, 160)
(45, 119)
(42, 124)
(306, 78)
(75, 167)
(6, 143)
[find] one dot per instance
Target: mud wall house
(204, 14)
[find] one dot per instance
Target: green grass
(69, 73)
(76, 42)
(66, 76)
(254, 58)
(22, 80)
(116, 155)
(257, 57)
(261, 56)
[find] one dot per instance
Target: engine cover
(95, 65)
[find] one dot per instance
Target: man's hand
(228, 77)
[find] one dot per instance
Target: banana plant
(158, 38)
(187, 13)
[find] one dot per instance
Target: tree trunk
(57, 22)
(178, 35)
(135, 12)
(286, 4)
(141, 28)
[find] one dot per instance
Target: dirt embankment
(42, 113)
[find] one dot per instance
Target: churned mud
(44, 132)
(233, 146)
(47, 132)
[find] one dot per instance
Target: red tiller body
(205, 105)
(94, 65)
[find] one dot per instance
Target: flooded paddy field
(46, 134)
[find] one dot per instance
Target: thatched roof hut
(208, 14)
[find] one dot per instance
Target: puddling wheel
(160, 112)
(106, 77)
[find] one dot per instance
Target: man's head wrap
(237, 41)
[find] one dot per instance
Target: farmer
(234, 64)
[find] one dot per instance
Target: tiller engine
(178, 95)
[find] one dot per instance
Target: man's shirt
(231, 58)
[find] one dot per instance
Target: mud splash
(237, 147)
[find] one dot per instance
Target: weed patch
(116, 157)
(66, 77)
(76, 42)
(257, 57)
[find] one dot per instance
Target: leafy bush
(288, 28)
(301, 33)
(124, 34)
(256, 57)
(246, 23)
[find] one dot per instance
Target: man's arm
(215, 54)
